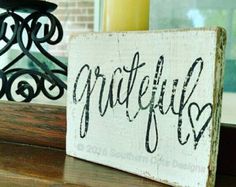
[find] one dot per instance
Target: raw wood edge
(217, 104)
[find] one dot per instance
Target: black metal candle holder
(25, 34)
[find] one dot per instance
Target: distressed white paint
(115, 141)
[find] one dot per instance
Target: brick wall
(75, 16)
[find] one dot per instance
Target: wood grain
(34, 166)
(35, 124)
(23, 123)
(99, 124)
(25, 166)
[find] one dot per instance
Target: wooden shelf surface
(23, 166)
(45, 125)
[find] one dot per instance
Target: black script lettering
(184, 100)
(197, 136)
(160, 103)
(110, 97)
(142, 92)
(110, 101)
(152, 115)
(132, 77)
(122, 94)
(88, 90)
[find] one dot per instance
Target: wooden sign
(148, 103)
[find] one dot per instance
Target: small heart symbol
(193, 107)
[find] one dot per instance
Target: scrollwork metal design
(25, 34)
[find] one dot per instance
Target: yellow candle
(125, 15)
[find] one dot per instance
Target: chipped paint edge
(217, 105)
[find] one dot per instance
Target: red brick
(66, 4)
(90, 11)
(90, 25)
(84, 18)
(85, 4)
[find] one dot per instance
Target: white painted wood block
(148, 103)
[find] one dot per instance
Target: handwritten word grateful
(115, 96)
